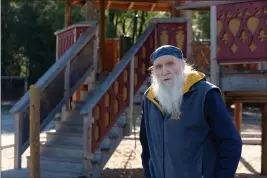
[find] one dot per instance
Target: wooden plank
(245, 93)
(18, 139)
(34, 131)
(174, 12)
(264, 141)
(246, 101)
(238, 116)
(136, 6)
(243, 82)
(102, 35)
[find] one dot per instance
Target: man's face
(166, 67)
(168, 82)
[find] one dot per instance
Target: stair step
(57, 150)
(77, 104)
(114, 132)
(251, 134)
(122, 121)
(100, 77)
(70, 127)
(60, 164)
(105, 156)
(251, 141)
(25, 173)
(65, 138)
(105, 144)
(96, 157)
(75, 117)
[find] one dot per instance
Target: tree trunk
(135, 21)
(143, 15)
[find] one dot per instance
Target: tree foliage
(201, 24)
(28, 40)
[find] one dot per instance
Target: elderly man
(186, 131)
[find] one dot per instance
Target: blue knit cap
(167, 50)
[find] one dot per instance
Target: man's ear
(151, 68)
(183, 64)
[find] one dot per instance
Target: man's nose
(165, 71)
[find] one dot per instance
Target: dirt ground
(126, 161)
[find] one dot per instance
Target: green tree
(201, 24)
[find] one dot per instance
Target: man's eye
(158, 66)
(170, 63)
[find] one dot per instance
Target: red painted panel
(65, 40)
(144, 62)
(237, 40)
(143, 56)
(110, 108)
(80, 31)
(172, 34)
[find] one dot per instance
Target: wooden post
(34, 132)
(129, 126)
(102, 35)
(18, 139)
(90, 11)
(67, 13)
(264, 141)
(238, 116)
(214, 66)
(96, 46)
(87, 142)
(174, 12)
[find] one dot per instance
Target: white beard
(169, 93)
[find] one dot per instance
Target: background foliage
(28, 26)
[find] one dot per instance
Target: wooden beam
(131, 5)
(238, 116)
(246, 93)
(174, 12)
(34, 131)
(108, 5)
(102, 35)
(153, 6)
(264, 141)
(67, 14)
(136, 6)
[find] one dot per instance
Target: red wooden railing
(68, 36)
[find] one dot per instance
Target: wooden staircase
(62, 153)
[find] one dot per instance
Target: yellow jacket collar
(190, 80)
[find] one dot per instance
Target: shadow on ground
(138, 173)
(117, 173)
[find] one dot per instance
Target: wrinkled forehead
(166, 59)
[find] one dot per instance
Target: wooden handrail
(55, 69)
(102, 89)
(56, 86)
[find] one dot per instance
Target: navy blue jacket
(202, 143)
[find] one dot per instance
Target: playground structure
(96, 107)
